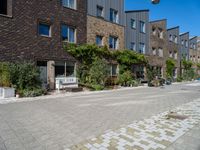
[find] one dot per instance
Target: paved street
(59, 123)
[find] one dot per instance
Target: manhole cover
(176, 116)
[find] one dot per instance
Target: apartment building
(184, 45)
(158, 46)
(105, 23)
(193, 50)
(137, 31)
(36, 30)
(174, 49)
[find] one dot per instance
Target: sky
(183, 13)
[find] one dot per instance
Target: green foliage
(198, 66)
(98, 72)
(151, 73)
(97, 87)
(32, 92)
(187, 65)
(179, 79)
(25, 76)
(126, 79)
(126, 58)
(170, 66)
(4, 75)
(189, 72)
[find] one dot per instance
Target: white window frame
(68, 28)
(66, 3)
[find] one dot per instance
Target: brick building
(36, 30)
(174, 49)
(158, 46)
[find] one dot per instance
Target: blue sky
(183, 13)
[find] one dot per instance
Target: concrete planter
(7, 92)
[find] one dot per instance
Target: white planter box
(7, 92)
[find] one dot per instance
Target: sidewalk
(57, 94)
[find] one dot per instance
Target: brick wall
(104, 28)
(19, 39)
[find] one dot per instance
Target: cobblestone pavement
(156, 133)
(60, 122)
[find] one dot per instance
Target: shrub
(32, 92)
(4, 75)
(125, 79)
(98, 72)
(170, 65)
(25, 76)
(97, 87)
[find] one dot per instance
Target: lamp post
(155, 1)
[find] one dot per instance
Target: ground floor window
(64, 69)
(114, 70)
(3, 7)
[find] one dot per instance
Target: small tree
(4, 75)
(99, 72)
(170, 66)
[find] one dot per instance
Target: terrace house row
(36, 31)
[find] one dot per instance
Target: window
(113, 16)
(113, 42)
(99, 40)
(182, 42)
(69, 3)
(133, 24)
(175, 55)
(142, 27)
(175, 39)
(154, 30)
(132, 46)
(100, 11)
(3, 7)
(114, 70)
(170, 54)
(160, 52)
(186, 43)
(170, 38)
(44, 29)
(154, 51)
(68, 34)
(142, 48)
(160, 33)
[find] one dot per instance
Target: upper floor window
(69, 3)
(44, 29)
(160, 52)
(154, 51)
(142, 48)
(170, 54)
(3, 7)
(170, 38)
(175, 55)
(175, 39)
(132, 46)
(186, 43)
(113, 15)
(160, 33)
(154, 30)
(133, 24)
(142, 26)
(182, 42)
(113, 42)
(100, 11)
(99, 40)
(68, 34)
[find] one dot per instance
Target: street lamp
(155, 1)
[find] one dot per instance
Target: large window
(69, 3)
(142, 26)
(160, 52)
(113, 16)
(99, 40)
(133, 24)
(142, 48)
(100, 12)
(3, 7)
(133, 46)
(68, 34)
(44, 29)
(113, 42)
